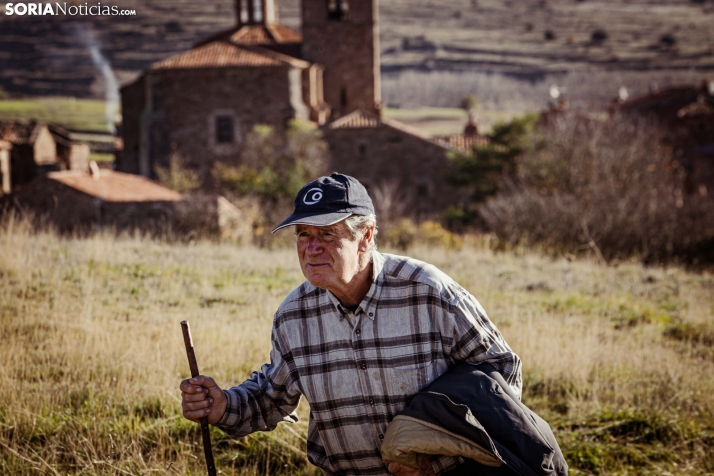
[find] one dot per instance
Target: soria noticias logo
(64, 8)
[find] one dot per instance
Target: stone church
(201, 103)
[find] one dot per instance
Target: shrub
(668, 40)
(405, 234)
(609, 187)
(481, 171)
(599, 35)
(177, 176)
(469, 103)
(402, 235)
(274, 166)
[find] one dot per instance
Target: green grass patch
(101, 157)
(633, 441)
(82, 114)
(702, 334)
(425, 113)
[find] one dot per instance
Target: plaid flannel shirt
(357, 374)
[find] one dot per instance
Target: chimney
(471, 129)
(94, 169)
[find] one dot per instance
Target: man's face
(329, 256)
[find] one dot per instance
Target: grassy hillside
(82, 114)
(618, 359)
(89, 114)
(522, 43)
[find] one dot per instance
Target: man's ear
(366, 239)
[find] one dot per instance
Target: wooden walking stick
(205, 434)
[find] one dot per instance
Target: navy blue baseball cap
(328, 200)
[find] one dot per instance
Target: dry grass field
(618, 359)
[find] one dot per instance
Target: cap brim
(324, 219)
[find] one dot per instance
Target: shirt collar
(369, 303)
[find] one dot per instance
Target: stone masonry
(347, 45)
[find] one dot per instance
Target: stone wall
(403, 172)
(45, 148)
(78, 157)
(185, 104)
(133, 103)
(349, 51)
(49, 202)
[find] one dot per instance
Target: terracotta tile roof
(17, 132)
(361, 119)
(463, 143)
(252, 35)
(256, 35)
(222, 54)
(672, 93)
(116, 187)
(284, 34)
(356, 120)
(265, 35)
(216, 55)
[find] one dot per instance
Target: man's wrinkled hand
(400, 470)
(202, 397)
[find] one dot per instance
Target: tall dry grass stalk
(92, 352)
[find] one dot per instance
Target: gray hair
(360, 223)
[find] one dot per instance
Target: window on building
(337, 9)
(362, 152)
(224, 129)
(343, 97)
(244, 17)
(257, 11)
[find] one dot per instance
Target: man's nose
(314, 245)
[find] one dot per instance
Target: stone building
(34, 150)
(343, 36)
(398, 165)
(71, 155)
(200, 104)
(78, 202)
(687, 114)
(39, 148)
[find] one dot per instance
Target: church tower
(343, 37)
(251, 12)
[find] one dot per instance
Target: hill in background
(508, 53)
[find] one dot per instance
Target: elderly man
(363, 335)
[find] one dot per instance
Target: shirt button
(371, 314)
(358, 332)
(371, 401)
(364, 366)
(381, 436)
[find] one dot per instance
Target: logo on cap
(312, 196)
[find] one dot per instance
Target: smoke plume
(111, 85)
